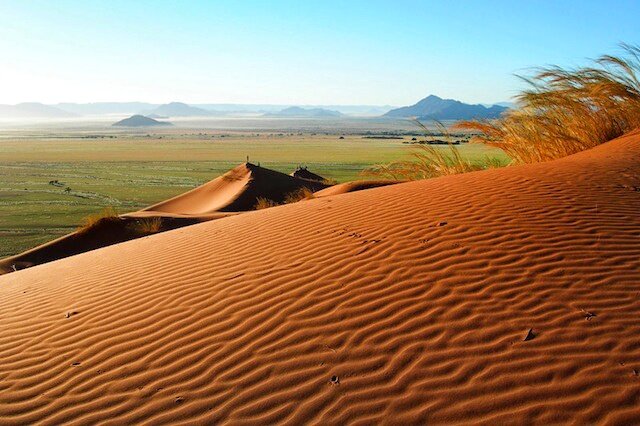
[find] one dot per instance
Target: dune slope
(504, 296)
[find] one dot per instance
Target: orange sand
(414, 298)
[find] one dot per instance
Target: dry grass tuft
(148, 225)
(430, 161)
(299, 195)
(568, 110)
(264, 203)
(108, 214)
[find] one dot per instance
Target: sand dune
(507, 296)
(236, 190)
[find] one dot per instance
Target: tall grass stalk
(565, 111)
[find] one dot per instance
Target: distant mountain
(179, 109)
(435, 108)
(105, 108)
(295, 111)
(33, 110)
(140, 121)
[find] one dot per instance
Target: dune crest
(236, 190)
(502, 296)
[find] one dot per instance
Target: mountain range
(431, 107)
(435, 108)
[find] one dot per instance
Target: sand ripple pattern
(411, 303)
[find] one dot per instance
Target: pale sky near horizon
(295, 52)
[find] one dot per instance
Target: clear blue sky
(295, 52)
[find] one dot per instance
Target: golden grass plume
(299, 195)
(108, 214)
(264, 203)
(147, 225)
(565, 111)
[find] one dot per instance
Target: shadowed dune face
(505, 296)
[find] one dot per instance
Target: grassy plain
(127, 171)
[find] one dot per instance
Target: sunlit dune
(506, 296)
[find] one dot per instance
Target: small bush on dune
(146, 226)
(299, 195)
(108, 214)
(264, 203)
(568, 110)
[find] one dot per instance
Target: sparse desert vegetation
(106, 215)
(147, 225)
(265, 203)
(567, 110)
(299, 195)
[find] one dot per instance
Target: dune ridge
(236, 190)
(502, 296)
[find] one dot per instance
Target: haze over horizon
(329, 53)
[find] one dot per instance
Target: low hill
(299, 112)
(507, 296)
(140, 121)
(33, 110)
(179, 109)
(434, 108)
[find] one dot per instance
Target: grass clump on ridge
(300, 194)
(108, 214)
(303, 193)
(431, 161)
(566, 111)
(147, 225)
(264, 203)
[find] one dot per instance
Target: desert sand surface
(496, 297)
